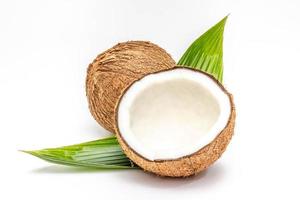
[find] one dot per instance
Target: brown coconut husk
(190, 164)
(114, 70)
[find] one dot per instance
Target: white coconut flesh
(173, 113)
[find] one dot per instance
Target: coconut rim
(220, 85)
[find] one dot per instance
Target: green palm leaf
(205, 54)
(104, 154)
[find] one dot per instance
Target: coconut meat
(171, 114)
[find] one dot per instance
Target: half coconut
(175, 122)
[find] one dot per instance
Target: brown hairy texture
(190, 164)
(117, 68)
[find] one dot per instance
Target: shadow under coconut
(207, 178)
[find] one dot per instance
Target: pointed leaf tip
(206, 52)
(101, 154)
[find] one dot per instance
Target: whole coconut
(114, 70)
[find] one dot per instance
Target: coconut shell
(114, 70)
(190, 164)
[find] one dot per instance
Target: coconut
(175, 122)
(114, 70)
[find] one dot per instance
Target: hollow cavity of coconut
(175, 122)
(113, 70)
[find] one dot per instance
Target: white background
(46, 46)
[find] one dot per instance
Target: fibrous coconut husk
(113, 70)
